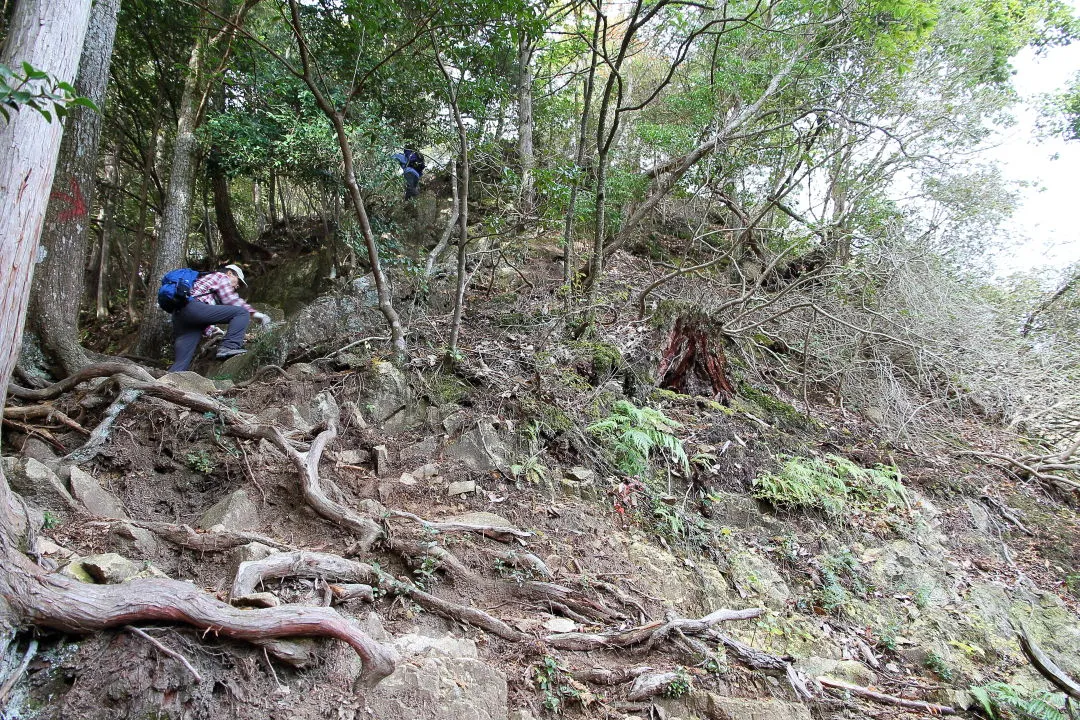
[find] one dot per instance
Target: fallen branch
(171, 653)
(869, 694)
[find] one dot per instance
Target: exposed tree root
(171, 653)
(1047, 667)
(64, 604)
(869, 694)
(31, 412)
(101, 433)
(646, 634)
(89, 372)
(200, 541)
(307, 464)
(495, 532)
(609, 677)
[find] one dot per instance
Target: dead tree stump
(693, 362)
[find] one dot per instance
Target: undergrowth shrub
(634, 435)
(1001, 701)
(832, 484)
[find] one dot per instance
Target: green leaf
(44, 113)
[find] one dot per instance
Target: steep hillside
(645, 523)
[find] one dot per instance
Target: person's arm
(226, 294)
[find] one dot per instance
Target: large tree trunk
(178, 198)
(49, 36)
(108, 225)
(59, 281)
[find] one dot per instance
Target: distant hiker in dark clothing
(412, 164)
(213, 300)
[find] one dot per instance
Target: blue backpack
(175, 290)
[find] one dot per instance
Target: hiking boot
(229, 352)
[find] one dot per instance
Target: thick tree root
(206, 541)
(869, 694)
(90, 372)
(50, 413)
(646, 634)
(307, 464)
(1047, 667)
(64, 604)
(495, 532)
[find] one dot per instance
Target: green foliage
(27, 86)
(556, 687)
(50, 520)
(200, 461)
(832, 484)
(635, 434)
(1001, 701)
(680, 685)
(936, 664)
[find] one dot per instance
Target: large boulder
(236, 512)
(95, 499)
(482, 448)
(39, 484)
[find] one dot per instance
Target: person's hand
(263, 318)
(214, 331)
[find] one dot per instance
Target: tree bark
(108, 224)
(49, 36)
(59, 281)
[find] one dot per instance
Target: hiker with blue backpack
(412, 165)
(197, 302)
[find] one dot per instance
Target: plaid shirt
(217, 289)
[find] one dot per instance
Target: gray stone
(441, 679)
(37, 483)
(520, 715)
(733, 509)
(41, 451)
(454, 424)
(301, 369)
(427, 472)
(353, 457)
(236, 513)
(324, 409)
(979, 515)
(391, 401)
(354, 415)
(461, 487)
(481, 518)
(407, 479)
(75, 569)
(382, 460)
(249, 553)
(189, 381)
(134, 541)
(481, 449)
(257, 600)
(560, 625)
(711, 705)
(98, 501)
(423, 450)
(287, 418)
(110, 568)
(849, 671)
(581, 474)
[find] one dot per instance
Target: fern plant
(1001, 701)
(635, 434)
(832, 484)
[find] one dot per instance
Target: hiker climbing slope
(412, 165)
(212, 299)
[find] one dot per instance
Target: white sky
(1045, 231)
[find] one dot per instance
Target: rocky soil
(490, 493)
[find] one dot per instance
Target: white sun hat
(239, 273)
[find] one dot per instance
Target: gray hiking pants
(190, 321)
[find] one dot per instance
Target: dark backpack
(415, 160)
(175, 290)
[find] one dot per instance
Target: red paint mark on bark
(78, 207)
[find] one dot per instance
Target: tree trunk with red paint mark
(694, 363)
(59, 279)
